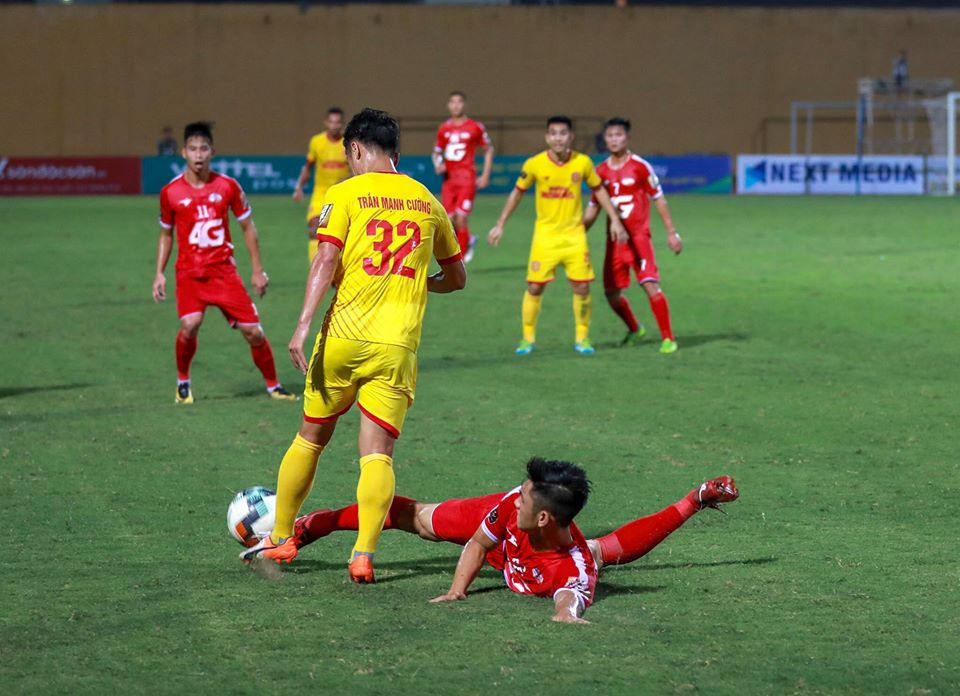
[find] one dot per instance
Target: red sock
(463, 238)
(623, 309)
(636, 539)
(661, 310)
(186, 348)
(323, 522)
(263, 358)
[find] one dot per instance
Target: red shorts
(636, 255)
(458, 520)
(458, 192)
(225, 292)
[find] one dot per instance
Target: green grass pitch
(818, 364)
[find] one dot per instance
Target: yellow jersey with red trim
(388, 227)
(329, 162)
(559, 191)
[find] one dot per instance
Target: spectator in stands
(167, 145)
(901, 71)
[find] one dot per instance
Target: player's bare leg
(294, 481)
(530, 312)
(186, 348)
(375, 490)
(636, 539)
(582, 312)
(619, 304)
(312, 225)
(406, 515)
(661, 312)
(262, 355)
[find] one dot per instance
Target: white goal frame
(952, 98)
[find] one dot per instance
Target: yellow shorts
(316, 203)
(381, 378)
(570, 252)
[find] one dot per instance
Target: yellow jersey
(559, 186)
(388, 227)
(329, 164)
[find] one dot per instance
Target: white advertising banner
(876, 175)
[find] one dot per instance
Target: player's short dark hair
(560, 118)
(374, 128)
(617, 121)
(561, 488)
(457, 93)
(202, 129)
(334, 110)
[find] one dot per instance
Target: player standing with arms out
(454, 158)
(529, 533)
(559, 237)
(197, 203)
(632, 184)
(377, 234)
(326, 157)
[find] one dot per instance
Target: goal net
(942, 178)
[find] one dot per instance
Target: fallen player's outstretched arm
(567, 607)
(470, 563)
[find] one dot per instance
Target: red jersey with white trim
(540, 573)
(631, 187)
(201, 216)
(457, 143)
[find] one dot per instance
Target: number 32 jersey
(200, 216)
(388, 227)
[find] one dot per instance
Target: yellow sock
(582, 311)
(374, 496)
(294, 481)
(530, 312)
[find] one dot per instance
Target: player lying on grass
(529, 533)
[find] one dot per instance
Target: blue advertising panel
(256, 173)
(881, 175)
(259, 174)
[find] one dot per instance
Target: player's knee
(253, 334)
(580, 288)
(613, 295)
(535, 289)
(190, 326)
(652, 288)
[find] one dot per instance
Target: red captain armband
(330, 239)
(453, 259)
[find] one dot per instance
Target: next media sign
(877, 175)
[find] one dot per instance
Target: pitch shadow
(709, 564)
(7, 392)
(605, 589)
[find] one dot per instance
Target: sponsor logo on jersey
(215, 197)
(185, 202)
(325, 215)
(629, 181)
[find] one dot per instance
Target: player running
(198, 203)
(529, 533)
(326, 156)
(378, 232)
(454, 158)
(632, 184)
(559, 237)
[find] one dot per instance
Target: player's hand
(618, 233)
(495, 234)
(567, 617)
(483, 182)
(451, 596)
(159, 288)
(674, 242)
(296, 348)
(440, 168)
(298, 194)
(259, 281)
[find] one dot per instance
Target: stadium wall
(103, 80)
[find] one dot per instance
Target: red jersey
(201, 218)
(631, 187)
(540, 573)
(457, 143)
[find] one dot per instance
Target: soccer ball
(251, 514)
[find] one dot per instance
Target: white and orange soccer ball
(251, 514)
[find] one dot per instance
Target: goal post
(942, 160)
